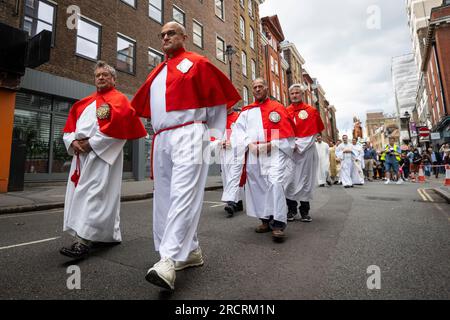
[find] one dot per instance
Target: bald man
(186, 97)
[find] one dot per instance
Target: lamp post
(408, 117)
(230, 52)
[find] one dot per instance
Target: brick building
(295, 61)
(436, 67)
(125, 34)
(275, 65)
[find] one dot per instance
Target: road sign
(435, 136)
(423, 132)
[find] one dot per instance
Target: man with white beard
(323, 149)
(358, 163)
(344, 154)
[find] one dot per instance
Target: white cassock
(358, 163)
(231, 172)
(302, 171)
(92, 209)
(346, 163)
(324, 162)
(180, 167)
(264, 189)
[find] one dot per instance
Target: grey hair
(264, 81)
(104, 65)
(300, 86)
(179, 25)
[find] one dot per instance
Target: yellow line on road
(427, 195)
(421, 194)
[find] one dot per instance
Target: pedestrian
(324, 162)
(370, 158)
(436, 160)
(426, 162)
(232, 191)
(391, 157)
(344, 153)
(265, 131)
(358, 161)
(415, 165)
(302, 179)
(187, 99)
(95, 134)
(338, 164)
(404, 166)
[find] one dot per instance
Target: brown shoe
(278, 235)
(263, 228)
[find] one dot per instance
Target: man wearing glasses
(186, 98)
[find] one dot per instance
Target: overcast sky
(351, 60)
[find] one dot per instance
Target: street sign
(423, 132)
(435, 136)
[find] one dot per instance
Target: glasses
(170, 34)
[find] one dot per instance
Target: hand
(253, 148)
(77, 147)
(86, 145)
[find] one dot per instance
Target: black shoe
(76, 251)
(291, 216)
(336, 182)
(329, 183)
(230, 208)
(306, 218)
(321, 185)
(239, 206)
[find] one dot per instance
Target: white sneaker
(195, 259)
(387, 181)
(400, 181)
(162, 274)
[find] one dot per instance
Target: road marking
(427, 195)
(28, 243)
(423, 197)
(218, 205)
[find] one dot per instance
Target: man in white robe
(264, 130)
(358, 164)
(186, 98)
(344, 152)
(302, 177)
(94, 136)
(324, 162)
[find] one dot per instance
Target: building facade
(436, 67)
(295, 61)
(84, 31)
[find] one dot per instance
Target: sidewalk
(45, 197)
(437, 185)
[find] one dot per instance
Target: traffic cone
(421, 175)
(447, 176)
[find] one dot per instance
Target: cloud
(351, 61)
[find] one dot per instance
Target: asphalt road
(405, 233)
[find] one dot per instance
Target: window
(278, 93)
(250, 8)
(272, 64)
(88, 39)
(245, 96)
(39, 15)
(274, 90)
(244, 63)
(198, 34)
(282, 76)
(154, 58)
(132, 3)
(253, 66)
(242, 27)
(252, 38)
(125, 54)
(276, 66)
(220, 49)
(241, 2)
(155, 10)
(219, 9)
(178, 15)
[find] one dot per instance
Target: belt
(163, 130)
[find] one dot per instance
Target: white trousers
(231, 168)
(180, 168)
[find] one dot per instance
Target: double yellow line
(425, 196)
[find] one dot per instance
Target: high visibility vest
(396, 152)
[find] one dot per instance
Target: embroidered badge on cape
(303, 115)
(274, 117)
(103, 112)
(185, 65)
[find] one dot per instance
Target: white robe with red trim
(264, 189)
(92, 208)
(180, 167)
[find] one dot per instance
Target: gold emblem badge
(274, 117)
(103, 112)
(303, 115)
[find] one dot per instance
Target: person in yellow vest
(391, 158)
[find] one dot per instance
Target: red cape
(285, 128)
(122, 123)
(231, 118)
(305, 127)
(204, 85)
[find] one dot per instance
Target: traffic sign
(424, 131)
